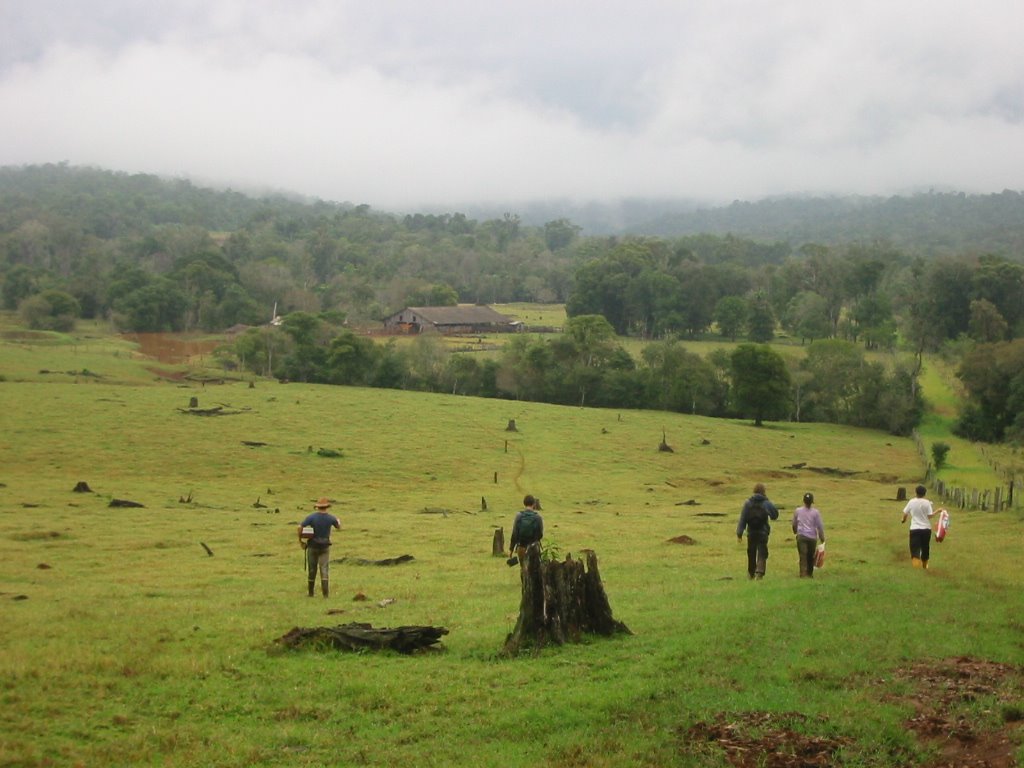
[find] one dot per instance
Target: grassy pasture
(134, 647)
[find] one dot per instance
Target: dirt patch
(684, 539)
(969, 710)
(776, 474)
(968, 713)
(770, 740)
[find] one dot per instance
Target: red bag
(943, 527)
(819, 556)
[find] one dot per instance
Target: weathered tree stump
(193, 402)
(664, 447)
(901, 494)
(498, 543)
(561, 601)
(359, 637)
(81, 487)
(511, 426)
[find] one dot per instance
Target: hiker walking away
(754, 517)
(809, 531)
(319, 545)
(527, 528)
(920, 512)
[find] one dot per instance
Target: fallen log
(359, 637)
(124, 503)
(561, 601)
(386, 561)
(217, 410)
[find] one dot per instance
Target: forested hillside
(920, 274)
(928, 224)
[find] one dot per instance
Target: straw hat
(322, 503)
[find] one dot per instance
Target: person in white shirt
(919, 510)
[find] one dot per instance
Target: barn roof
(463, 314)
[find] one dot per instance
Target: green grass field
(125, 643)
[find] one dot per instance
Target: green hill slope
(135, 646)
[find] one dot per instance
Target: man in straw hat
(319, 545)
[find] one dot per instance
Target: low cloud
(398, 107)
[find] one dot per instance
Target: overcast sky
(407, 103)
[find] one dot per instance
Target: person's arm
(795, 514)
(300, 532)
(821, 529)
(515, 534)
(773, 511)
(742, 523)
(337, 523)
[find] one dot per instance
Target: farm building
(464, 318)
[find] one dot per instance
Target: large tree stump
(498, 543)
(561, 601)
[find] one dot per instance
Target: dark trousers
(807, 549)
(920, 543)
(757, 553)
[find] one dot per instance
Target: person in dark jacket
(527, 528)
(754, 517)
(319, 545)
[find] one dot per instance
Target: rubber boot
(312, 584)
(324, 588)
(924, 564)
(916, 562)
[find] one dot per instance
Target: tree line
(156, 255)
(587, 365)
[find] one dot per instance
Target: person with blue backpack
(754, 517)
(527, 528)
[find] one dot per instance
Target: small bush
(939, 453)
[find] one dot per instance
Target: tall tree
(760, 382)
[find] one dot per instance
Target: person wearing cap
(809, 531)
(318, 547)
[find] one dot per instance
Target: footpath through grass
(125, 643)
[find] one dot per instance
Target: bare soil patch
(968, 713)
(970, 710)
(770, 740)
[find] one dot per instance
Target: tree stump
(498, 543)
(664, 447)
(193, 402)
(511, 426)
(561, 601)
(901, 494)
(81, 487)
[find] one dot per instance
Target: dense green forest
(925, 273)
